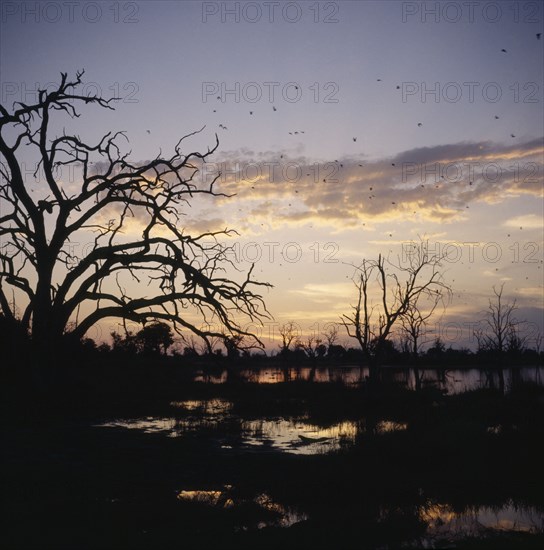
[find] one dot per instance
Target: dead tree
(501, 331)
(162, 274)
(386, 291)
(414, 327)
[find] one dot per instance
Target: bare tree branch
(163, 275)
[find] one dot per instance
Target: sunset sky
(352, 128)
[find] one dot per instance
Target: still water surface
(233, 433)
(451, 380)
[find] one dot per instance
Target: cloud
(269, 190)
(436, 184)
(528, 221)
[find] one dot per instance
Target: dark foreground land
(417, 470)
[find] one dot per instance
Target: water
(229, 431)
(296, 436)
(451, 380)
(275, 514)
(445, 525)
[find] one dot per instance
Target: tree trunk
(417, 376)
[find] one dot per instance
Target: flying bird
(148, 131)
(354, 139)
(274, 108)
(496, 117)
(512, 135)
(504, 51)
(419, 124)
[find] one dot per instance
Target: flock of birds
(354, 140)
(398, 87)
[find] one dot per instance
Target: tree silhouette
(501, 328)
(155, 338)
(414, 327)
(386, 293)
(289, 335)
(501, 331)
(163, 274)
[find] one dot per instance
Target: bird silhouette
(419, 124)
(274, 108)
(504, 51)
(354, 139)
(496, 117)
(512, 135)
(250, 112)
(148, 131)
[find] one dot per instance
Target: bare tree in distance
(173, 276)
(386, 291)
(289, 333)
(501, 330)
(500, 324)
(309, 345)
(414, 325)
(331, 334)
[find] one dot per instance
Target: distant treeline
(157, 341)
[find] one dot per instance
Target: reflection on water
(452, 380)
(278, 515)
(208, 407)
(275, 434)
(384, 426)
(298, 437)
(446, 525)
(278, 434)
